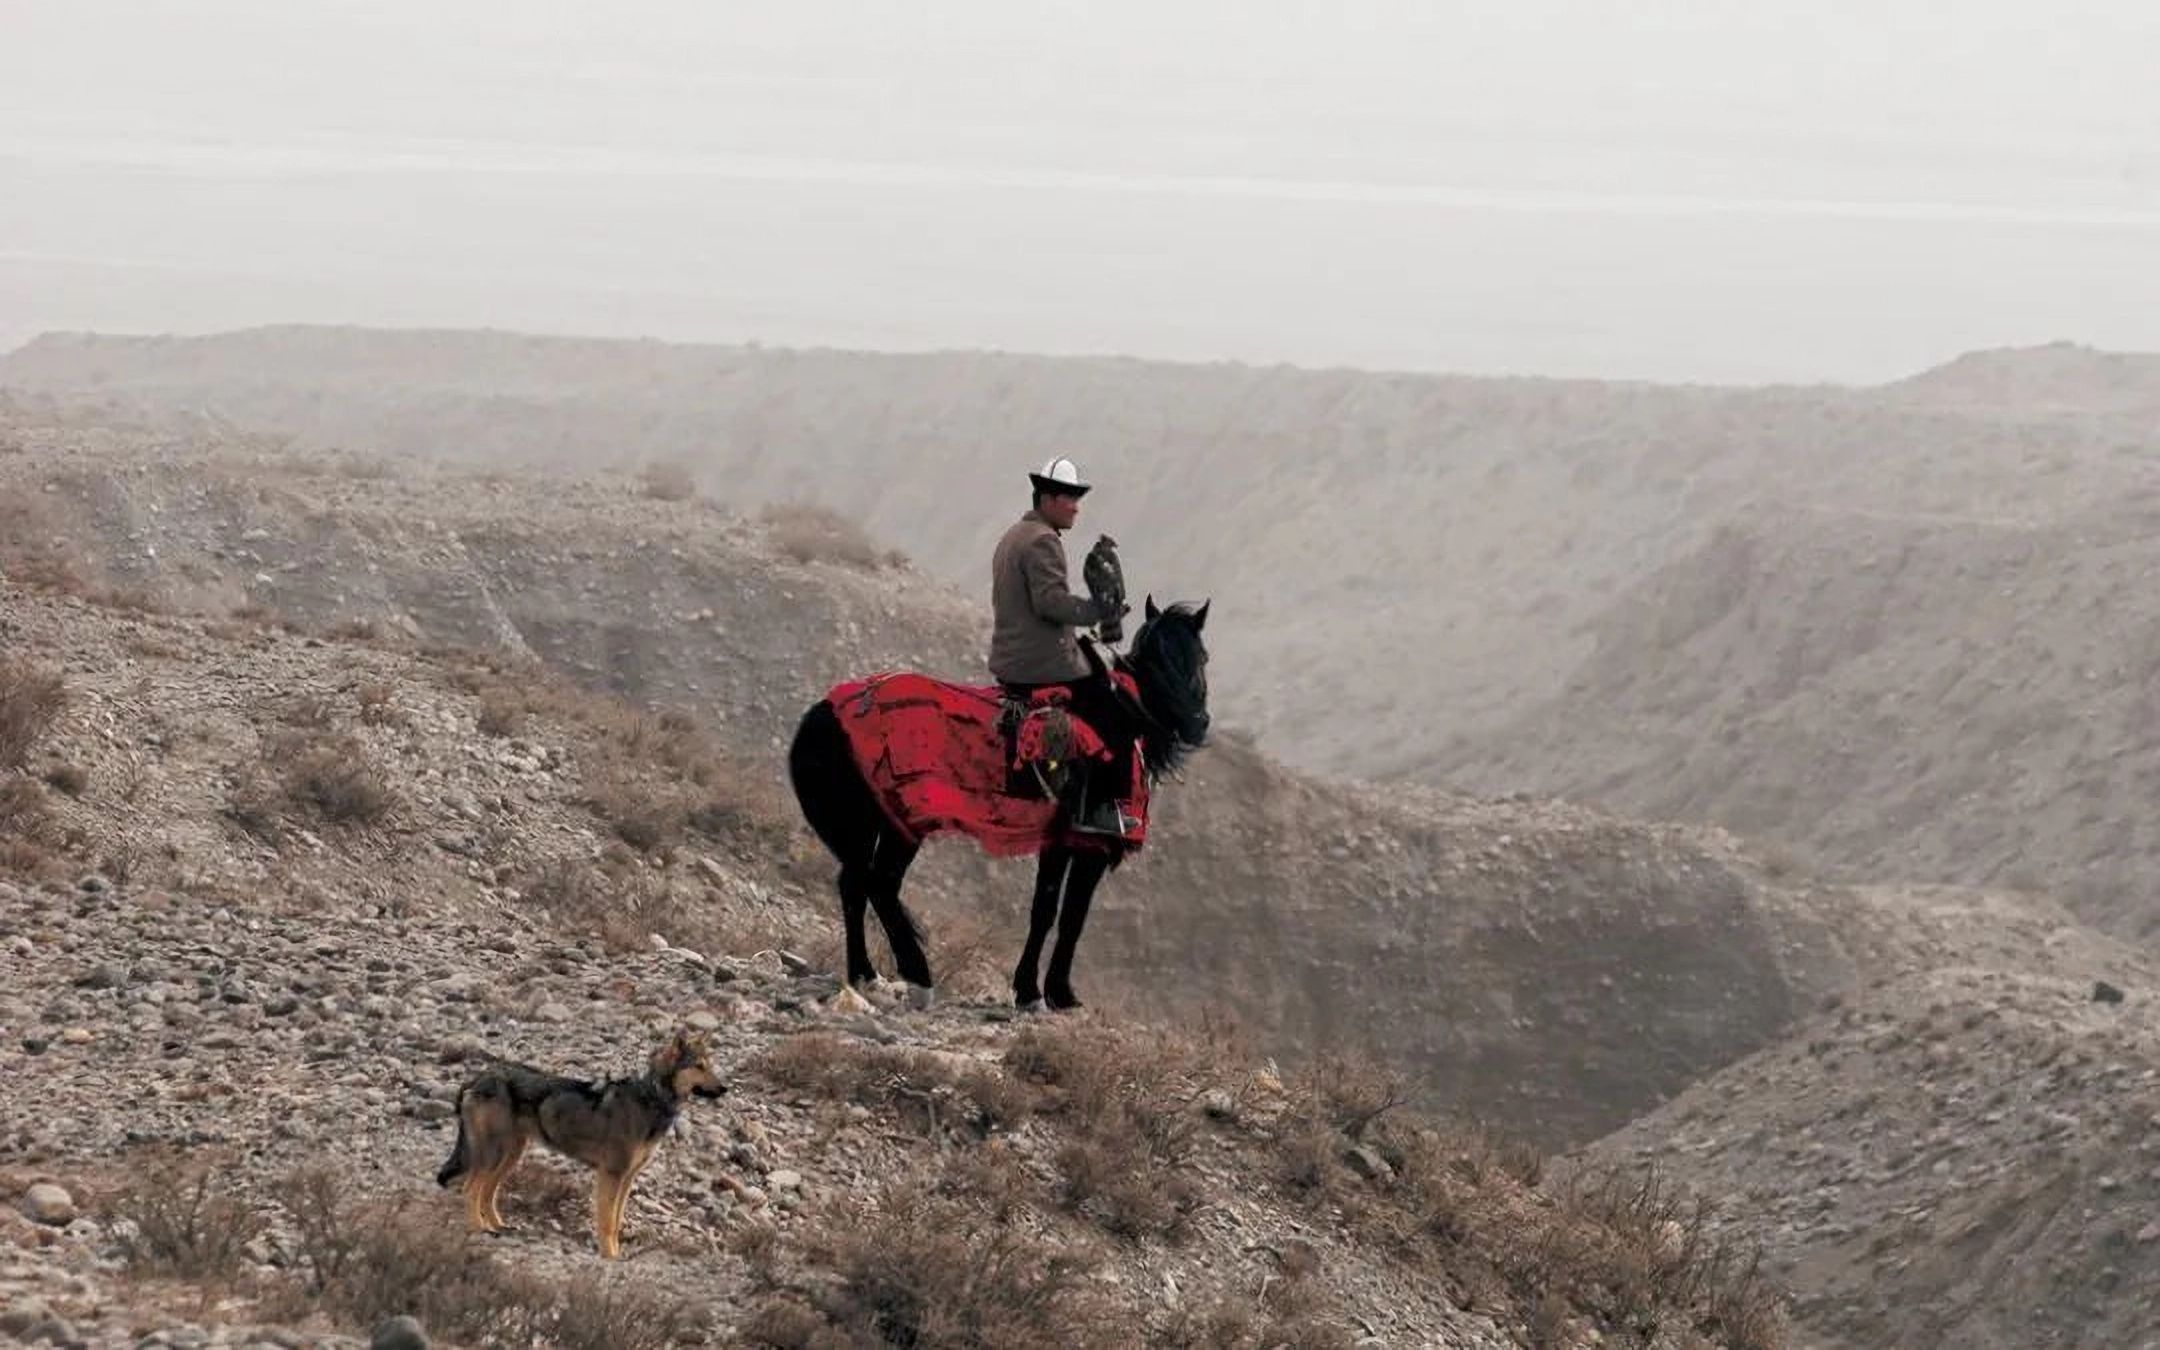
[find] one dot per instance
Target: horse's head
(1169, 662)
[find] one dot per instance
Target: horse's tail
(835, 800)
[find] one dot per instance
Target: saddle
(1042, 742)
(941, 757)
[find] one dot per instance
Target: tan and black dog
(612, 1127)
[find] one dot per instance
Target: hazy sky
(1768, 190)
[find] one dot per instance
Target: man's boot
(1100, 814)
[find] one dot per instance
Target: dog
(613, 1127)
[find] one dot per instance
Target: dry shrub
(621, 908)
(131, 599)
(1623, 1252)
(329, 777)
(807, 532)
(1637, 1254)
(1334, 1108)
(501, 714)
(365, 1262)
(1127, 1100)
(1350, 1091)
(1292, 1308)
(151, 647)
(31, 699)
(1130, 1198)
(180, 1223)
(924, 1269)
(263, 616)
(377, 700)
(314, 711)
(363, 466)
(624, 903)
(1308, 1156)
(936, 1092)
(787, 1324)
(335, 778)
(669, 481)
(650, 817)
(972, 956)
(28, 833)
(32, 553)
(654, 778)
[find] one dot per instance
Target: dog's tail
(460, 1153)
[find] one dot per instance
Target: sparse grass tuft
(328, 776)
(918, 1268)
(1128, 1104)
(363, 1262)
(806, 532)
(940, 1092)
(31, 700)
(185, 1225)
(669, 481)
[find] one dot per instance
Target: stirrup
(1104, 818)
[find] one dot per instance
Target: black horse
(1168, 663)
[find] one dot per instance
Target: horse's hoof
(922, 997)
(1033, 1005)
(1065, 1003)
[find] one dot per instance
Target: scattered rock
(49, 1204)
(399, 1333)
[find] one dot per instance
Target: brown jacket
(1034, 613)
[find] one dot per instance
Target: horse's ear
(1152, 612)
(1199, 618)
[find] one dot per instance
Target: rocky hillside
(1960, 1153)
(278, 875)
(266, 898)
(1561, 969)
(1952, 699)
(1411, 556)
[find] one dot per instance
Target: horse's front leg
(1049, 883)
(1080, 881)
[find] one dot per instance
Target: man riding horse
(883, 762)
(1034, 643)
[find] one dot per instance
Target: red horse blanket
(936, 758)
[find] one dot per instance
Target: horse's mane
(1161, 687)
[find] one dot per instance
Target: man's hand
(1105, 579)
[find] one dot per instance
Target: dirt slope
(266, 898)
(1943, 699)
(1962, 1153)
(1562, 969)
(1559, 969)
